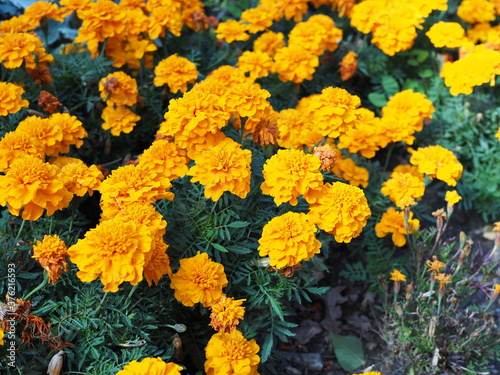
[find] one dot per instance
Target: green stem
(51, 224)
(389, 153)
(440, 297)
(132, 291)
(20, 230)
(102, 301)
(42, 284)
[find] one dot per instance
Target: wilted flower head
(51, 253)
(348, 65)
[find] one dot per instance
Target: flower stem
(42, 284)
(102, 301)
(132, 291)
(19, 231)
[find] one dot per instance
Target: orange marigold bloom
(141, 212)
(16, 48)
(437, 162)
(435, 265)
(232, 30)
(16, 144)
(51, 253)
(118, 88)
(333, 35)
(365, 136)
(165, 15)
(231, 353)
(409, 108)
(115, 251)
(247, 100)
(80, 179)
(17, 24)
(408, 168)
(129, 184)
(33, 186)
(166, 159)
(446, 34)
(290, 173)
(295, 9)
(342, 210)
(396, 275)
(289, 239)
(41, 9)
(296, 129)
(199, 279)
(176, 72)
(476, 11)
(226, 314)
(219, 80)
(158, 262)
(224, 167)
(391, 131)
(72, 130)
(269, 42)
(130, 51)
(334, 111)
(310, 36)
(402, 185)
(347, 169)
(258, 64)
(119, 119)
(11, 100)
(452, 197)
(259, 18)
(343, 7)
(295, 64)
(348, 66)
(47, 133)
(151, 366)
(393, 221)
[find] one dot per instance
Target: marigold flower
(31, 185)
(333, 35)
(408, 168)
(365, 136)
(164, 16)
(493, 297)
(11, 100)
(310, 36)
(115, 251)
(452, 197)
(80, 179)
(47, 133)
(16, 144)
(443, 280)
(129, 184)
(226, 314)
(344, 8)
(51, 253)
(130, 51)
(176, 72)
(48, 102)
(295, 9)
(247, 100)
(289, 239)
(16, 48)
(437, 162)
(435, 265)
(446, 34)
(334, 111)
(224, 167)
(158, 262)
(403, 185)
(295, 63)
(347, 169)
(151, 366)
(232, 30)
(2, 335)
(476, 11)
(220, 79)
(119, 119)
(118, 88)
(342, 210)
(296, 129)
(72, 131)
(257, 64)
(348, 66)
(290, 173)
(17, 24)
(269, 42)
(199, 279)
(259, 18)
(396, 275)
(393, 221)
(40, 9)
(166, 159)
(141, 212)
(231, 353)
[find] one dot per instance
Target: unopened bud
(55, 364)
(409, 288)
(180, 327)
(432, 327)
(383, 282)
(398, 308)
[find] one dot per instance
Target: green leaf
(390, 85)
(238, 224)
(348, 350)
(427, 73)
(219, 247)
(266, 348)
(377, 99)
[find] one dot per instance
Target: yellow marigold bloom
(141, 212)
(130, 51)
(80, 179)
(296, 130)
(199, 279)
(446, 34)
(119, 119)
(308, 35)
(176, 72)
(334, 111)
(51, 253)
(232, 30)
(295, 64)
(129, 184)
(71, 6)
(115, 251)
(365, 136)
(231, 353)
(48, 134)
(157, 263)
(342, 210)
(151, 366)
(290, 173)
(452, 198)
(247, 100)
(289, 239)
(408, 168)
(396, 275)
(391, 131)
(333, 34)
(343, 7)
(476, 11)
(16, 48)
(33, 186)
(443, 279)
(348, 66)
(295, 9)
(72, 131)
(11, 100)
(41, 9)
(259, 18)
(224, 167)
(437, 162)
(16, 144)
(219, 80)
(435, 265)
(393, 221)
(347, 169)
(165, 15)
(269, 42)
(409, 108)
(17, 24)
(226, 314)
(118, 88)
(166, 159)
(402, 185)
(258, 64)
(370, 372)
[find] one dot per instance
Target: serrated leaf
(266, 348)
(219, 247)
(377, 99)
(390, 85)
(348, 350)
(238, 224)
